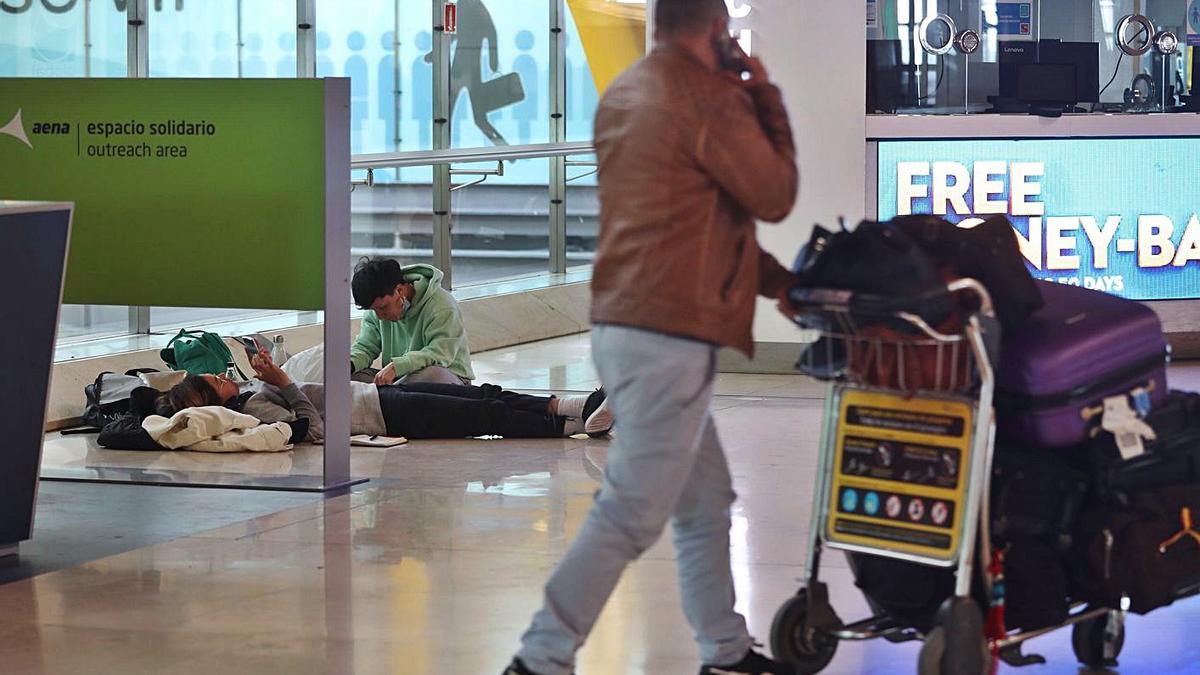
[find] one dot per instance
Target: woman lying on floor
(411, 410)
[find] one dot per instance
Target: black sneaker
(751, 664)
(517, 668)
(597, 417)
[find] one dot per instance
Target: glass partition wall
(515, 73)
(1043, 57)
(501, 111)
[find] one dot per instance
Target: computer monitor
(1046, 83)
(891, 84)
(1085, 56)
(1012, 56)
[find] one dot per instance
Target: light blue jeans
(666, 462)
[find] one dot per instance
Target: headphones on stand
(965, 41)
(1141, 92)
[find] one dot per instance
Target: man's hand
(758, 73)
(266, 370)
(754, 74)
(387, 375)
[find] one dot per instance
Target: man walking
(691, 153)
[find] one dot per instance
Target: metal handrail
(483, 175)
(389, 160)
(593, 164)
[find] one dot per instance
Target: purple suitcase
(1078, 349)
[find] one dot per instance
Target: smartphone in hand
(251, 344)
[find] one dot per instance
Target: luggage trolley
(904, 472)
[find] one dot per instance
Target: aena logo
(16, 129)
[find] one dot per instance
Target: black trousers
(453, 411)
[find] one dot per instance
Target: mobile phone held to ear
(730, 55)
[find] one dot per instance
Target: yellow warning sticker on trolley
(900, 473)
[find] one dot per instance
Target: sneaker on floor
(751, 664)
(597, 418)
(517, 668)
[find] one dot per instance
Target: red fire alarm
(451, 18)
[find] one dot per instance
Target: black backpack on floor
(110, 396)
(124, 431)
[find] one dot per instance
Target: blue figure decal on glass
(185, 66)
(421, 93)
(324, 63)
(223, 63)
(589, 98)
(475, 28)
(360, 98)
(525, 66)
(287, 64)
(254, 65)
(389, 91)
(570, 110)
(8, 58)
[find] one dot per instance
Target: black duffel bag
(1135, 537)
(1145, 548)
(1035, 493)
(1173, 458)
(989, 253)
(875, 259)
(910, 593)
(1036, 501)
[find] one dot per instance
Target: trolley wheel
(956, 646)
(1087, 639)
(792, 641)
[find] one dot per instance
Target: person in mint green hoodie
(412, 322)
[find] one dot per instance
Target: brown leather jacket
(688, 162)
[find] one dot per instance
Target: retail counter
(1105, 201)
(33, 251)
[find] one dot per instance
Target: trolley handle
(888, 306)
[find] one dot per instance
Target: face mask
(404, 310)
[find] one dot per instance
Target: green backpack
(198, 353)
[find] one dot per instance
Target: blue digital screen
(1117, 215)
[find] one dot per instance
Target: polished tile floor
(541, 368)
(80, 522)
(436, 566)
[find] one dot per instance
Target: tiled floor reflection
(437, 568)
